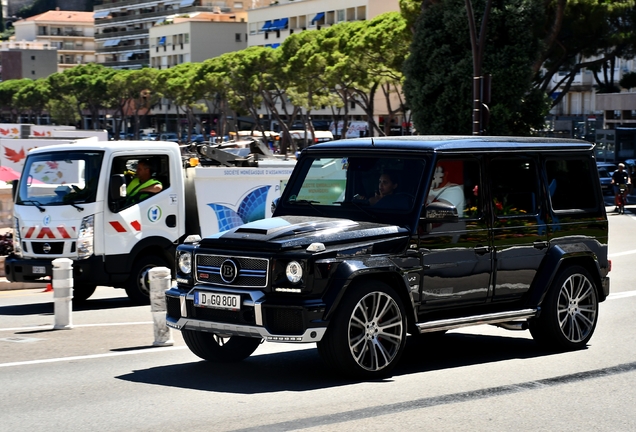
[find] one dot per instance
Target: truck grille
(53, 248)
(251, 272)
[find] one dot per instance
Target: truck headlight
(17, 240)
(185, 262)
(294, 272)
(86, 237)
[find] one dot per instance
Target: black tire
(216, 348)
(81, 293)
(367, 334)
(138, 284)
(568, 313)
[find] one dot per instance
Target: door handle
(482, 250)
(540, 244)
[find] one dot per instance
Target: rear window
(572, 184)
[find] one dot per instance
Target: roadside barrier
(63, 293)
(160, 281)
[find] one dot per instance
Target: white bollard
(63, 293)
(160, 281)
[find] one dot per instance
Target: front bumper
(258, 318)
(90, 270)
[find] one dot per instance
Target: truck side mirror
(117, 187)
(275, 204)
(441, 212)
(14, 188)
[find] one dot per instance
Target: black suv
(376, 238)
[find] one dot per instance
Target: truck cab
(70, 203)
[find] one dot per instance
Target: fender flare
(350, 272)
(155, 245)
(557, 258)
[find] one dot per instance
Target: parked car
(605, 170)
(169, 136)
(149, 137)
(475, 230)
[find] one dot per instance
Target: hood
(291, 232)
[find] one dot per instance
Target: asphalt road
(104, 374)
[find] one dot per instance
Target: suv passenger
(466, 231)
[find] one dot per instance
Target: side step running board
(453, 323)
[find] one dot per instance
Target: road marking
(50, 327)
(617, 254)
(92, 356)
(620, 295)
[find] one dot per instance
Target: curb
(5, 285)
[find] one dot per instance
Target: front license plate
(39, 270)
(217, 300)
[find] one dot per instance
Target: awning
(112, 42)
(186, 3)
(267, 26)
(279, 24)
(162, 40)
(101, 14)
(318, 17)
(276, 45)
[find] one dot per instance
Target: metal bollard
(160, 282)
(63, 293)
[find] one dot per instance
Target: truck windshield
(60, 178)
(370, 185)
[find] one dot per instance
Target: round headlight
(185, 262)
(294, 272)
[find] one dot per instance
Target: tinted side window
(571, 184)
(457, 182)
(515, 186)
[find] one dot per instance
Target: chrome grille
(252, 272)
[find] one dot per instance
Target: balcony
(145, 16)
(123, 48)
(119, 34)
(129, 64)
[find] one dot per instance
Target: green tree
(89, 84)
(32, 98)
(8, 89)
(438, 84)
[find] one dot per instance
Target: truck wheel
(367, 334)
(568, 313)
(138, 283)
(216, 348)
(81, 293)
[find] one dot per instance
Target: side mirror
(117, 187)
(275, 204)
(441, 212)
(14, 188)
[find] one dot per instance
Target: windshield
(60, 178)
(370, 186)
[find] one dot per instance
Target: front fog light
(185, 262)
(294, 272)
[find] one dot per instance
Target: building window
(187, 38)
(238, 5)
(32, 72)
(32, 57)
(237, 37)
(340, 15)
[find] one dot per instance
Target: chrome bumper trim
(183, 323)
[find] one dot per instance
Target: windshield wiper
(79, 208)
(307, 202)
(35, 203)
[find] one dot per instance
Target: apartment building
(197, 37)
(70, 32)
(271, 25)
(122, 26)
(27, 59)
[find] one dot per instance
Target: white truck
(70, 202)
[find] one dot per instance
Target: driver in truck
(143, 184)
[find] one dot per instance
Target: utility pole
(477, 45)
